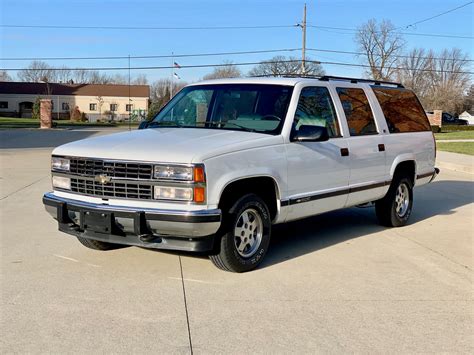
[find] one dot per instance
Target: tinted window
(402, 110)
(358, 113)
(315, 108)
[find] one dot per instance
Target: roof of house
(74, 89)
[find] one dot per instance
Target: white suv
(225, 160)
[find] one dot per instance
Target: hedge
(451, 128)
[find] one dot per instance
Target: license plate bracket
(99, 222)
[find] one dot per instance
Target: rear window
(358, 112)
(402, 110)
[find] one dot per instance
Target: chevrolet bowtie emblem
(102, 179)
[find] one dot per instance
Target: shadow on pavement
(298, 238)
(35, 138)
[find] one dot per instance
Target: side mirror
(144, 124)
(308, 133)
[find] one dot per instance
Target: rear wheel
(245, 235)
(394, 209)
(97, 245)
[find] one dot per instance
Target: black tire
(232, 257)
(97, 245)
(388, 209)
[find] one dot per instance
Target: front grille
(117, 169)
(111, 189)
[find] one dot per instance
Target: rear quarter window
(402, 110)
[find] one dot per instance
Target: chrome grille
(111, 189)
(117, 169)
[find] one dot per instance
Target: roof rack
(355, 80)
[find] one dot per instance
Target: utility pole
(129, 100)
(303, 48)
(172, 75)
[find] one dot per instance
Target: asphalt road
(333, 283)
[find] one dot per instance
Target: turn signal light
(199, 194)
(199, 174)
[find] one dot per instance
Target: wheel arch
(406, 165)
(264, 186)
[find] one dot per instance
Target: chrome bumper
(153, 228)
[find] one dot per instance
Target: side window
(315, 108)
(358, 112)
(402, 110)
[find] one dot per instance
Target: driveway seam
(24, 187)
(185, 305)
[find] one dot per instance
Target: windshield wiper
(217, 123)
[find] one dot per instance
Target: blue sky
(27, 42)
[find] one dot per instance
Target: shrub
(36, 114)
(76, 114)
(84, 117)
(450, 128)
(436, 129)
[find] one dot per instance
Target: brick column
(46, 120)
(435, 118)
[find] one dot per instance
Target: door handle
(344, 152)
(381, 147)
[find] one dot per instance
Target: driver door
(318, 172)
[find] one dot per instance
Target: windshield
(240, 107)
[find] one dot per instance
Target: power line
(354, 30)
(395, 56)
(158, 56)
(438, 15)
(241, 64)
(189, 55)
(149, 28)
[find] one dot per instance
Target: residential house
(106, 102)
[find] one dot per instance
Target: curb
(456, 167)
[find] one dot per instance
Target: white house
(469, 116)
(95, 101)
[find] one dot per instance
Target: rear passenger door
(368, 180)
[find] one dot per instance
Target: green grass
(457, 147)
(12, 122)
(455, 135)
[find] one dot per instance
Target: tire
(97, 245)
(395, 208)
(244, 236)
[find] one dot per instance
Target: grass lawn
(12, 122)
(457, 147)
(455, 135)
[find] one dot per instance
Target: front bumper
(149, 228)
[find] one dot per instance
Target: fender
(400, 159)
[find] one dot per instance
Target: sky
(44, 42)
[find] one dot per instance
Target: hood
(168, 145)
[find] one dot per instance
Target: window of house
(128, 107)
(358, 112)
(92, 107)
(113, 107)
(3, 104)
(315, 108)
(65, 106)
(402, 110)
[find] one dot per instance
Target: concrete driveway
(333, 283)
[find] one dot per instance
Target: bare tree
(160, 94)
(381, 45)
(414, 71)
(450, 81)
(281, 65)
(36, 72)
(4, 76)
(141, 79)
(228, 71)
(64, 75)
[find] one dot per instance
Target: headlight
(62, 182)
(173, 193)
(179, 173)
(62, 164)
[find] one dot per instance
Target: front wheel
(394, 209)
(98, 245)
(245, 235)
